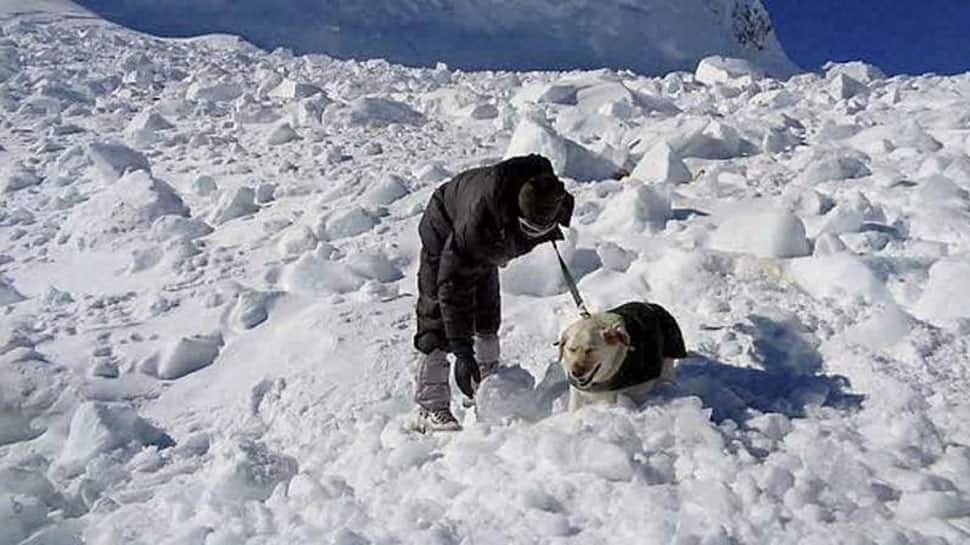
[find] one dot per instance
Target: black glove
(467, 375)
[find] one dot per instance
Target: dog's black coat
(654, 335)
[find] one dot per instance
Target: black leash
(571, 282)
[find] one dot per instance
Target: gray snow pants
(432, 390)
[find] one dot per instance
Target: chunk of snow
(104, 368)
(388, 189)
(265, 192)
(828, 244)
(884, 328)
(431, 172)
(932, 504)
(234, 204)
(204, 185)
(661, 165)
(844, 87)
(637, 208)
(857, 70)
(908, 134)
(371, 112)
(558, 94)
(840, 277)
(251, 308)
(113, 160)
(308, 112)
(568, 158)
(348, 223)
(244, 469)
(773, 233)
(9, 294)
(297, 240)
(717, 69)
(187, 355)
(374, 266)
(532, 274)
(315, 273)
(833, 166)
(18, 177)
(97, 428)
(531, 136)
(171, 226)
(614, 257)
(289, 90)
(219, 91)
(282, 133)
(508, 394)
(941, 300)
(149, 120)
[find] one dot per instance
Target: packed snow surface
(208, 261)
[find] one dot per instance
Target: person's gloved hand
(467, 374)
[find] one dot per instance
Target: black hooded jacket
(469, 228)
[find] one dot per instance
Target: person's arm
(456, 293)
(456, 296)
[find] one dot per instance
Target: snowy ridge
(647, 36)
(207, 271)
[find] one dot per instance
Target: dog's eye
(573, 349)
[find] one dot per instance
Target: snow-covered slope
(648, 36)
(207, 276)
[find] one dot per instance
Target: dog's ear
(616, 335)
(561, 344)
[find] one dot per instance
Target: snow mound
(113, 160)
(508, 394)
(857, 70)
(99, 428)
(245, 469)
(294, 90)
(386, 190)
(699, 137)
(214, 91)
(372, 112)
(717, 69)
(843, 278)
(568, 158)
(348, 223)
(315, 273)
(637, 208)
(234, 204)
(282, 133)
(135, 202)
(773, 233)
(149, 120)
(9, 294)
(187, 355)
(374, 266)
(833, 166)
(170, 226)
(538, 274)
(844, 87)
(296, 240)
(661, 165)
(941, 301)
(251, 308)
(18, 177)
(461, 103)
(204, 185)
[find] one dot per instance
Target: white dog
(627, 350)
